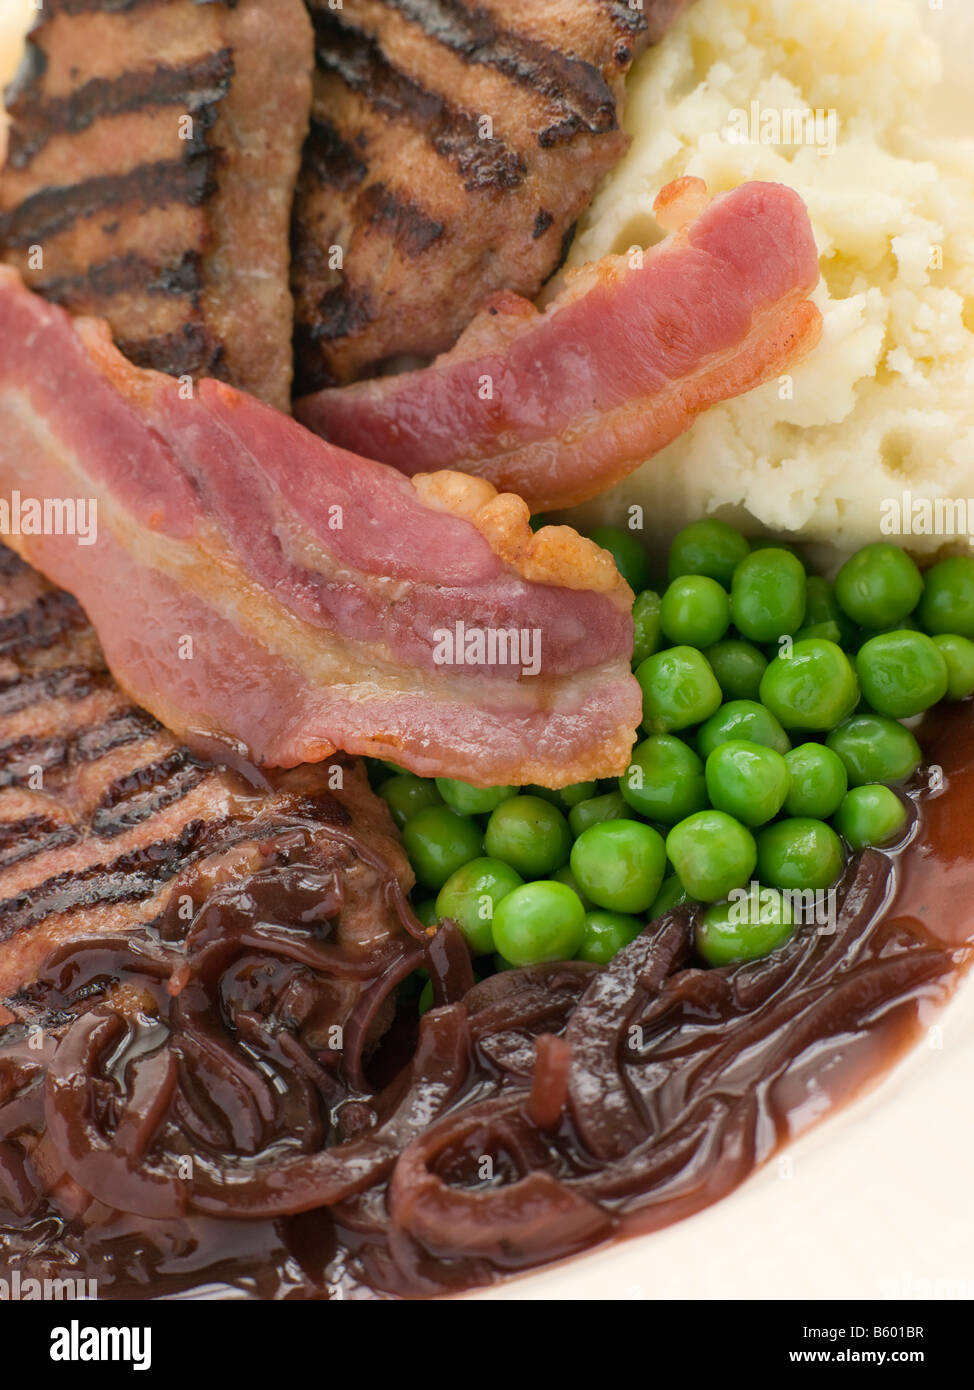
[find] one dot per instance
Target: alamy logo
(18, 1290)
(77, 1343)
(916, 515)
(50, 516)
(803, 906)
(488, 646)
(783, 126)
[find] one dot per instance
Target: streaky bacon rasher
(559, 405)
(250, 580)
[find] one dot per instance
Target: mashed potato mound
(885, 405)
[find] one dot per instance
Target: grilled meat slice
(151, 163)
(102, 810)
(452, 146)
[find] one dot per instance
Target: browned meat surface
(102, 810)
(452, 147)
(151, 164)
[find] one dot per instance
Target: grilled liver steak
(150, 171)
(102, 810)
(452, 147)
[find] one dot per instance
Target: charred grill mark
(193, 87)
(139, 795)
(20, 757)
(542, 222)
(34, 835)
(359, 61)
(341, 311)
(191, 180)
(131, 725)
(131, 877)
(563, 250)
(411, 229)
(125, 275)
(332, 160)
(191, 351)
(65, 682)
(42, 623)
(571, 85)
(631, 21)
(27, 828)
(151, 775)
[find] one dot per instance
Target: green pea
(902, 673)
(742, 719)
(813, 686)
(608, 806)
(619, 864)
(425, 998)
(799, 853)
(827, 632)
(629, 553)
(738, 666)
(753, 924)
(709, 547)
(605, 934)
(564, 875)
(695, 611)
(664, 780)
(772, 543)
(870, 815)
(818, 781)
(747, 780)
(947, 604)
(671, 894)
(539, 922)
(646, 621)
(958, 653)
(405, 794)
(578, 791)
(564, 797)
(878, 585)
(822, 607)
(438, 842)
(875, 749)
(712, 854)
(529, 834)
(546, 793)
(768, 595)
(470, 896)
(472, 801)
(679, 689)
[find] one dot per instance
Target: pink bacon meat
(249, 580)
(559, 405)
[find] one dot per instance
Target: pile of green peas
(773, 702)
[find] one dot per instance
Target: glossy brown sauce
(535, 1115)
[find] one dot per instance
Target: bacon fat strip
(559, 405)
(250, 580)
